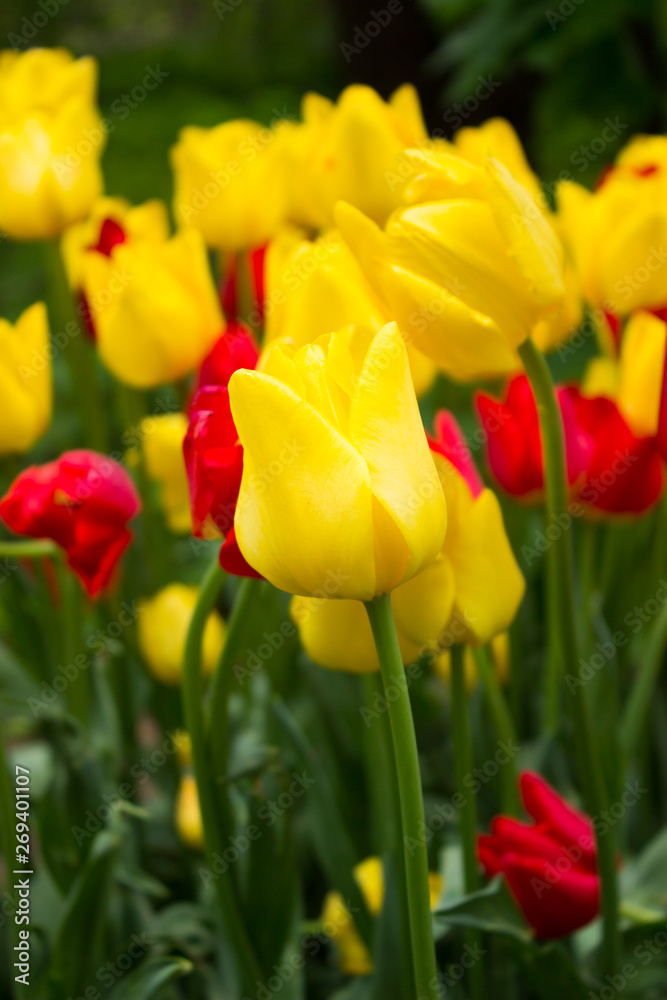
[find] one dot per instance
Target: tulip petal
(386, 427)
(423, 606)
(531, 241)
(489, 583)
(554, 903)
(304, 514)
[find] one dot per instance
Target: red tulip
(214, 463)
(450, 442)
(236, 348)
(551, 866)
(625, 474)
(230, 291)
(514, 444)
(83, 502)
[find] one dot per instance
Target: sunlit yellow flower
(314, 287)
(351, 151)
(163, 626)
(634, 380)
(25, 380)
(471, 593)
(188, 813)
(162, 443)
(500, 653)
(339, 487)
(51, 139)
(467, 278)
(231, 182)
(154, 306)
(138, 222)
(616, 234)
(338, 924)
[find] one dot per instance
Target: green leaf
(145, 982)
(79, 948)
(551, 972)
(490, 909)
(332, 843)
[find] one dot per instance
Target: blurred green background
(558, 69)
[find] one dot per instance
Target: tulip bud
(163, 627)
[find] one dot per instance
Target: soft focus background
(558, 69)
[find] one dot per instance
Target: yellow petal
(386, 427)
(304, 515)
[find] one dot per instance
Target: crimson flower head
(551, 865)
(212, 450)
(625, 473)
(236, 348)
(514, 444)
(83, 502)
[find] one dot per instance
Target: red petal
(451, 443)
(555, 900)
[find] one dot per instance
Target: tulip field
(333, 555)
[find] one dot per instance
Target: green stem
(79, 352)
(217, 715)
(8, 844)
(560, 552)
(393, 927)
(504, 727)
(38, 549)
(250, 970)
(634, 719)
(406, 763)
(463, 767)
(79, 690)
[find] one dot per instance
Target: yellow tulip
(467, 278)
(25, 380)
(471, 593)
(642, 364)
(188, 813)
(163, 626)
(51, 140)
(231, 182)
(314, 287)
(350, 151)
(155, 308)
(616, 233)
(339, 489)
(139, 222)
(162, 443)
(500, 654)
(338, 924)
